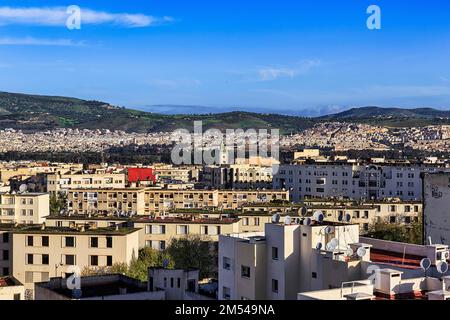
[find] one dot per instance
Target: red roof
(394, 258)
(141, 174)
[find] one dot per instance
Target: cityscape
(182, 156)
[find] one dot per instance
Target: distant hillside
(32, 112)
(392, 116)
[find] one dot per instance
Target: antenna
(276, 218)
(303, 211)
(318, 216)
(287, 220)
(361, 252)
(23, 188)
(425, 264)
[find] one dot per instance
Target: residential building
(11, 289)
(40, 252)
(62, 182)
(436, 194)
(24, 208)
(353, 180)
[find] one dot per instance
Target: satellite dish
(442, 267)
(425, 264)
(349, 252)
(303, 211)
(340, 217)
(276, 218)
(23, 188)
(329, 230)
(307, 222)
(318, 216)
(287, 220)
(319, 246)
(331, 246)
(348, 217)
(361, 252)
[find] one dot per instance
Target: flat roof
(85, 217)
(172, 220)
(36, 229)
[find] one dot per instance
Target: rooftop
(39, 229)
(9, 282)
(187, 220)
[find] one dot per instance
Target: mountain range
(37, 112)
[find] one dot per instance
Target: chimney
(43, 226)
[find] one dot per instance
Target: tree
(148, 258)
(399, 232)
(58, 202)
(194, 251)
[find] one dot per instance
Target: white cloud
(57, 16)
(29, 41)
(273, 73)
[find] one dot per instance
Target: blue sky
(297, 57)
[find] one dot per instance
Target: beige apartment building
(157, 233)
(11, 289)
(146, 201)
(24, 208)
(106, 201)
(5, 249)
(62, 182)
(42, 252)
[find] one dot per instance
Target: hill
(33, 112)
(36, 113)
(392, 117)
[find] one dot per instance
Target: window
(182, 230)
(179, 283)
(109, 261)
(70, 242)
(5, 272)
(45, 259)
(29, 241)
(256, 221)
(28, 277)
(94, 261)
(171, 282)
(274, 253)
(226, 293)
(29, 259)
(165, 282)
(16, 296)
(94, 242)
(392, 219)
(274, 285)
(70, 259)
(162, 245)
(45, 241)
(6, 237)
(245, 272)
(408, 220)
(226, 263)
(5, 255)
(109, 242)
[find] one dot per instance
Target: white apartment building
(285, 259)
(238, 176)
(355, 181)
(24, 208)
(436, 218)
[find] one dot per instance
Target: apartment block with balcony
(24, 208)
(42, 252)
(62, 182)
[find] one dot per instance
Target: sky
(193, 56)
